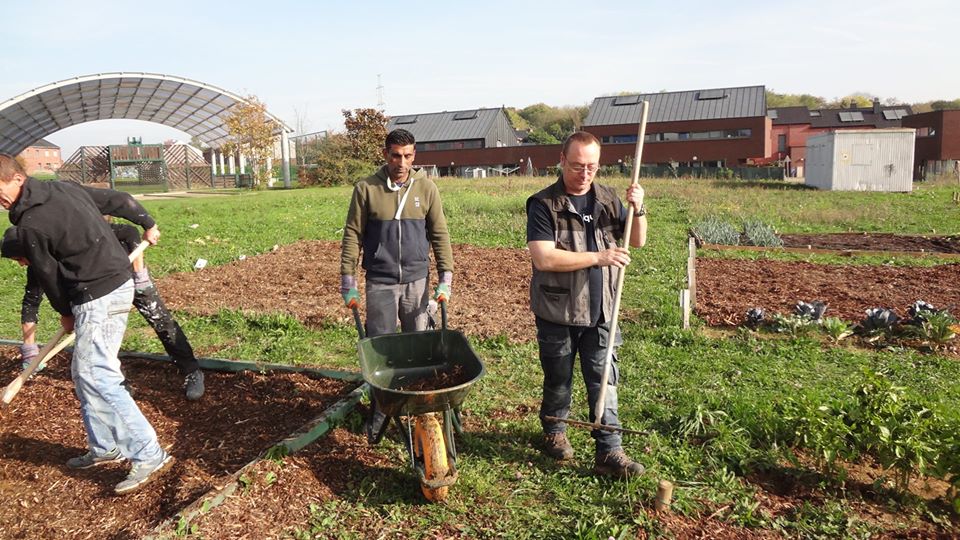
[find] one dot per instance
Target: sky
(309, 60)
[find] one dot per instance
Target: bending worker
(147, 301)
(85, 275)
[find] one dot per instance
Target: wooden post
(685, 307)
(692, 271)
(664, 496)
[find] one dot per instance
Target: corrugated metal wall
(868, 160)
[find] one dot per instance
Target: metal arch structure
(194, 107)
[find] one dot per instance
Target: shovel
(602, 398)
(54, 346)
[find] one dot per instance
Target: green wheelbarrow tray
(419, 372)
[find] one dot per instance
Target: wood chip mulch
(490, 297)
(239, 416)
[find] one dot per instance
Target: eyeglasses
(577, 168)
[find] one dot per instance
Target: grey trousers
(404, 301)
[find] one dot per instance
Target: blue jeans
(559, 346)
(110, 416)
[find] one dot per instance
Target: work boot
(557, 446)
(194, 385)
(90, 459)
(616, 463)
(141, 473)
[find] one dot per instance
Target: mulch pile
(239, 416)
(491, 288)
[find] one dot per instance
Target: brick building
(937, 147)
(41, 157)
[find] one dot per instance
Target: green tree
(250, 132)
(366, 130)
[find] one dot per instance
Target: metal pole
(285, 153)
(611, 338)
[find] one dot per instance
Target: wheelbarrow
(419, 380)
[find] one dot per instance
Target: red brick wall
(732, 151)
(41, 159)
(945, 144)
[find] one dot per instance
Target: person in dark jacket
(147, 301)
(85, 275)
(573, 227)
(394, 219)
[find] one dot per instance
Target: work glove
(442, 291)
(29, 351)
(348, 288)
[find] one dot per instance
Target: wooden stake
(664, 496)
(685, 307)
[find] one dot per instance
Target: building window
(781, 143)
(742, 133)
(450, 145)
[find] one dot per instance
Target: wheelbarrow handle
(357, 321)
(443, 313)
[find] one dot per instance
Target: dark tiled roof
(43, 143)
(881, 116)
(789, 115)
(448, 125)
(737, 102)
(888, 116)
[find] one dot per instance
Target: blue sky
(320, 57)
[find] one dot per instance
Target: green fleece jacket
(395, 246)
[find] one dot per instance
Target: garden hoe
(54, 346)
(602, 398)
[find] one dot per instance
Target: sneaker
(617, 464)
(194, 385)
(92, 460)
(141, 473)
(557, 446)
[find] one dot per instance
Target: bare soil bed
(874, 242)
(240, 415)
(490, 288)
(726, 289)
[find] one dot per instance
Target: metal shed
(861, 160)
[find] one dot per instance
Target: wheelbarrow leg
(376, 424)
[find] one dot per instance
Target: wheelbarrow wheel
(429, 446)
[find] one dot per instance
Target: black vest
(564, 297)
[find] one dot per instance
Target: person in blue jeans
(85, 274)
(573, 229)
(146, 299)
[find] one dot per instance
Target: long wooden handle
(600, 407)
(54, 346)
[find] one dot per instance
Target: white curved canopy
(196, 108)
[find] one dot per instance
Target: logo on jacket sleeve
(416, 202)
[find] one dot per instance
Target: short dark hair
(12, 246)
(399, 137)
(581, 137)
(9, 166)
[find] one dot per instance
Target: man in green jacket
(395, 217)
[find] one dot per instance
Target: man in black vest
(573, 229)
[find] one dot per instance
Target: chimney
(876, 105)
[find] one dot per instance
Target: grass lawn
(718, 408)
